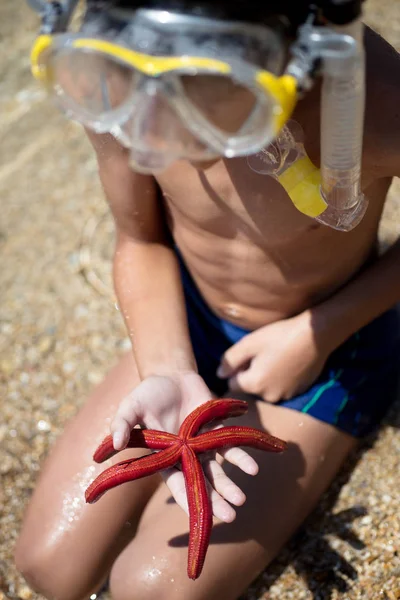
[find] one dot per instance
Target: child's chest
(229, 200)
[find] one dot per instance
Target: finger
(130, 411)
(222, 484)
(120, 433)
(132, 408)
(176, 483)
(235, 357)
(240, 458)
(233, 384)
(243, 381)
(222, 510)
(124, 421)
(258, 381)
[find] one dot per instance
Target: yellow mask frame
(282, 89)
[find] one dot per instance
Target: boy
(225, 288)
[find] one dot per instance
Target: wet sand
(60, 332)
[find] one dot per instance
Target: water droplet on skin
(153, 573)
(231, 310)
(73, 503)
(301, 424)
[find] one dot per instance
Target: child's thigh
(64, 540)
(285, 490)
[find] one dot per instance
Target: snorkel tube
(342, 119)
(331, 195)
(341, 51)
(342, 124)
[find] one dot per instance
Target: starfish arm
(236, 436)
(200, 512)
(209, 411)
(139, 438)
(129, 470)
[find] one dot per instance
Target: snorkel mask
(184, 83)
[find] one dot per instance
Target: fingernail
(229, 516)
(118, 440)
(221, 372)
(239, 499)
(252, 469)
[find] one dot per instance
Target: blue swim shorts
(356, 387)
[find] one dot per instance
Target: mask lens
(224, 103)
(157, 134)
(91, 81)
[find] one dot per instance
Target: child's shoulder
(382, 119)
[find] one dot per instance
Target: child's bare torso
(254, 257)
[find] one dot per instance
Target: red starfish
(184, 447)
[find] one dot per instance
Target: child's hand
(162, 402)
(277, 361)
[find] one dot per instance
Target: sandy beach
(60, 332)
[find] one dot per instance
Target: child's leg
(283, 493)
(66, 547)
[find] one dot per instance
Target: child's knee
(144, 580)
(49, 574)
(134, 584)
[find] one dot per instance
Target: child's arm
(286, 357)
(146, 274)
(150, 296)
(377, 288)
(366, 297)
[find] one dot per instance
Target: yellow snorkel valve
(331, 195)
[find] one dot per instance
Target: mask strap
(38, 6)
(55, 15)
